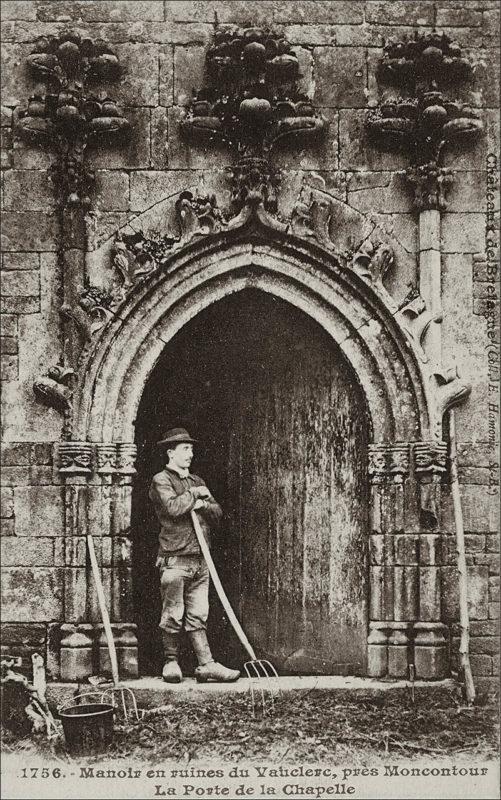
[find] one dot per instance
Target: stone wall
(161, 46)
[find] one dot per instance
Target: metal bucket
(88, 727)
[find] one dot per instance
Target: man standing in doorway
(184, 576)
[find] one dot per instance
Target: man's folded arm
(167, 502)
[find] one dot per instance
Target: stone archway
(404, 456)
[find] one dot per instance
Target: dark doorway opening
(283, 432)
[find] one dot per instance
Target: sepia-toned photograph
(250, 345)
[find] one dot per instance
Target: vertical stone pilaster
(429, 641)
(98, 489)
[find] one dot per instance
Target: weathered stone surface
(484, 644)
(400, 13)
(458, 16)
(21, 305)
(9, 367)
(16, 84)
(27, 552)
(138, 85)
(30, 261)
(39, 510)
(41, 592)
(7, 527)
(19, 9)
(6, 157)
(494, 589)
(9, 345)
(463, 233)
(189, 67)
(378, 190)
(340, 77)
(166, 76)
(356, 152)
(112, 190)
(317, 12)
(477, 592)
(30, 230)
(7, 501)
(21, 282)
(102, 11)
(27, 190)
(159, 138)
(5, 117)
(481, 664)
(183, 156)
(8, 325)
(149, 187)
(131, 154)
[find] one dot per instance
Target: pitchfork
(121, 697)
(257, 669)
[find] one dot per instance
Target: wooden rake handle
(104, 611)
(219, 587)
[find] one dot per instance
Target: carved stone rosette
(97, 494)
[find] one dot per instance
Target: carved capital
(126, 458)
(75, 458)
(430, 458)
(388, 463)
(106, 458)
(431, 184)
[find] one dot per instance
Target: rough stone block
(7, 501)
(484, 644)
(6, 158)
(467, 193)
(7, 527)
(28, 190)
(138, 84)
(102, 11)
(15, 454)
(484, 627)
(159, 138)
(492, 543)
(30, 230)
(21, 305)
(400, 13)
(474, 543)
(29, 261)
(148, 188)
(133, 153)
(481, 664)
(21, 282)
(166, 76)
(9, 345)
(183, 155)
(490, 26)
(16, 83)
(189, 68)
(21, 551)
(39, 510)
(494, 610)
(317, 155)
(340, 77)
(477, 592)
(463, 233)
(19, 9)
(494, 589)
(235, 12)
(9, 367)
(5, 117)
(355, 149)
(31, 595)
(8, 325)
(457, 17)
(378, 190)
(314, 12)
(112, 190)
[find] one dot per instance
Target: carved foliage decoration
(423, 121)
(54, 389)
(67, 109)
(250, 102)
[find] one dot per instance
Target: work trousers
(184, 589)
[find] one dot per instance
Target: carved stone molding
(75, 458)
(424, 120)
(250, 102)
(67, 111)
(104, 458)
(54, 388)
(388, 462)
(430, 458)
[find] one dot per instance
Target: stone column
(388, 631)
(98, 488)
(430, 651)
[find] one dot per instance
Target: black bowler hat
(176, 436)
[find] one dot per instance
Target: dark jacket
(173, 501)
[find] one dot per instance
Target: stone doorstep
(152, 692)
